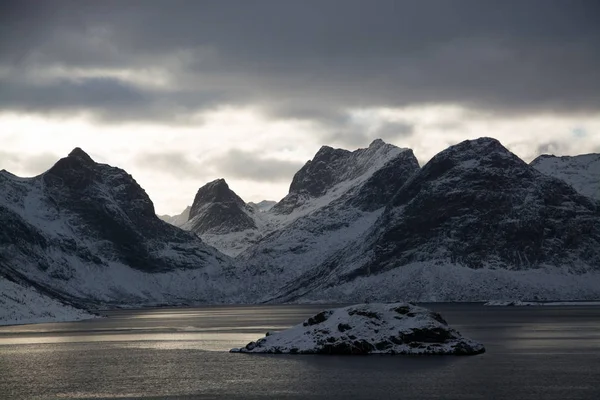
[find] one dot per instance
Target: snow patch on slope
(582, 172)
(25, 305)
(432, 282)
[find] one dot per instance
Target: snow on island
(396, 328)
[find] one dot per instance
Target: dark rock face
(218, 210)
(478, 205)
(322, 172)
(379, 189)
(328, 168)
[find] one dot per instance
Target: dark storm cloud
(247, 165)
(97, 94)
(394, 130)
(106, 98)
(309, 59)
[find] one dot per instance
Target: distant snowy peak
(178, 220)
(581, 172)
(218, 210)
(263, 206)
(334, 171)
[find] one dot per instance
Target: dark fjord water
(532, 353)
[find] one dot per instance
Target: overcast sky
(179, 93)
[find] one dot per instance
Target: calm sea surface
(532, 353)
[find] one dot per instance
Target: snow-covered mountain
(330, 175)
(223, 220)
(263, 206)
(338, 187)
(476, 222)
(582, 172)
(218, 210)
(88, 233)
(325, 211)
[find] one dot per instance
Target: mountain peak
(78, 153)
(217, 191)
(476, 149)
(328, 152)
(377, 143)
(217, 209)
(217, 183)
(482, 142)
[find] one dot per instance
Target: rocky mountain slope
(476, 222)
(88, 233)
(315, 223)
(582, 172)
(25, 305)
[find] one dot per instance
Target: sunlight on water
(200, 341)
(184, 354)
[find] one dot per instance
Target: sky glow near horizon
(250, 99)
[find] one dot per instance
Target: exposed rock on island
(396, 328)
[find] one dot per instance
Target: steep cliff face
(582, 172)
(84, 229)
(331, 173)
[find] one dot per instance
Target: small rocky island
(396, 328)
